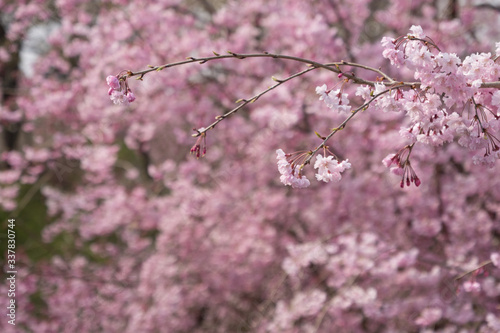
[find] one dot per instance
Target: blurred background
(119, 229)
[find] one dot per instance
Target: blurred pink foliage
(157, 240)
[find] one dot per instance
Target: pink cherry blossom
(291, 173)
(429, 316)
(334, 99)
(113, 82)
(119, 90)
(471, 286)
(495, 259)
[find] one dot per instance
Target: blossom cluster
(334, 99)
(448, 101)
(290, 167)
(400, 165)
(329, 169)
(291, 172)
(119, 91)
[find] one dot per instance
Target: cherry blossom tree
(391, 106)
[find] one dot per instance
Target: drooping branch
(397, 51)
(330, 66)
(343, 124)
(244, 102)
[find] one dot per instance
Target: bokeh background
(119, 229)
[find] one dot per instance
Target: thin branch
(31, 192)
(488, 6)
(378, 71)
(333, 66)
(481, 265)
(251, 100)
(230, 54)
(342, 125)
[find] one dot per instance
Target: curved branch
(251, 100)
(332, 66)
(342, 125)
(481, 265)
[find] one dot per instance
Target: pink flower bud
(130, 97)
(113, 82)
(417, 181)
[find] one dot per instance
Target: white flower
(329, 169)
(495, 258)
(302, 182)
(289, 176)
(364, 92)
(334, 99)
(322, 92)
(326, 95)
(379, 88)
(417, 31)
(118, 97)
(343, 103)
(495, 99)
(472, 286)
(448, 61)
(281, 154)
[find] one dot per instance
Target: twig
(333, 66)
(481, 265)
(251, 100)
(342, 125)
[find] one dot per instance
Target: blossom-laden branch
(444, 83)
